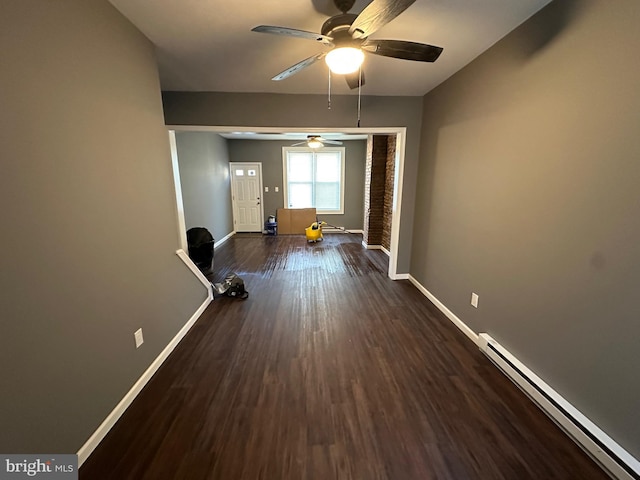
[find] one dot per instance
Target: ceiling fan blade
(292, 32)
(354, 79)
(420, 52)
(331, 142)
(293, 69)
(377, 14)
(299, 143)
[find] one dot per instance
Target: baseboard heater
(616, 461)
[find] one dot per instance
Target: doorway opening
(394, 208)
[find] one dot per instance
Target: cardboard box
(293, 221)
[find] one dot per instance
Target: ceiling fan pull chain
(329, 101)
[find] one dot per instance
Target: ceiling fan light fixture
(344, 60)
(314, 143)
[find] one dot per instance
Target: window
(314, 178)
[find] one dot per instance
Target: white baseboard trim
(401, 276)
(97, 436)
(614, 459)
(224, 239)
(448, 313)
(376, 247)
(196, 271)
(120, 408)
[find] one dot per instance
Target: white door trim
(182, 228)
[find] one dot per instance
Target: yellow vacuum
(314, 231)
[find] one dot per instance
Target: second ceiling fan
(347, 35)
(316, 141)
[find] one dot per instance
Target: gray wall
(277, 110)
(89, 229)
(530, 173)
(269, 152)
(203, 160)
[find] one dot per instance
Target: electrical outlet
(474, 300)
(266, 189)
(277, 189)
(138, 338)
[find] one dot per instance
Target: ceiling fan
(347, 35)
(316, 141)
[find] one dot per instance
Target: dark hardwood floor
(329, 370)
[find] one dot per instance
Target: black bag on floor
(200, 244)
(232, 286)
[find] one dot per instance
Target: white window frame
(285, 182)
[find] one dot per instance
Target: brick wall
(388, 191)
(377, 191)
(367, 188)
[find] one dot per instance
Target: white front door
(246, 191)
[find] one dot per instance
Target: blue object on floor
(271, 228)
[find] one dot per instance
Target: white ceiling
(207, 45)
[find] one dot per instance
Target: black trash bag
(231, 286)
(200, 243)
